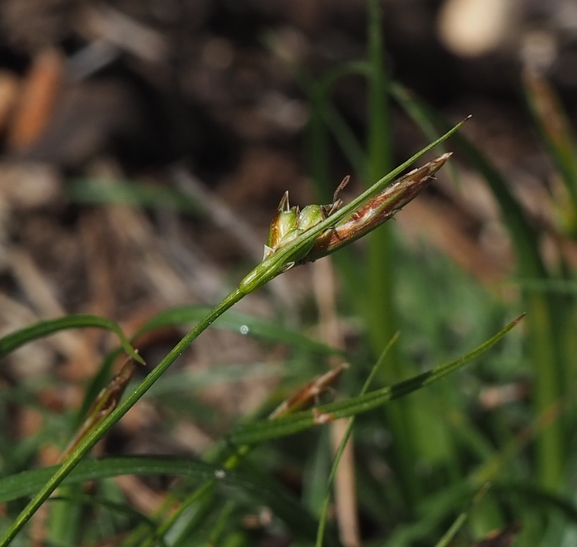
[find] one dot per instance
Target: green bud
(290, 223)
(310, 216)
(283, 223)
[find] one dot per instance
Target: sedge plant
(297, 237)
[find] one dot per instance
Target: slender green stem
(345, 439)
(381, 313)
(91, 439)
(551, 444)
(205, 494)
(460, 520)
(200, 495)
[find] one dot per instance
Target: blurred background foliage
(145, 146)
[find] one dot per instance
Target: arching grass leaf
(14, 340)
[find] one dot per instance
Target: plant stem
(381, 313)
(91, 439)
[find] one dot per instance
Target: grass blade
(555, 130)
(244, 324)
(266, 430)
(460, 520)
(134, 194)
(14, 340)
(343, 444)
(285, 507)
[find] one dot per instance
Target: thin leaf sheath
(105, 403)
(310, 393)
(377, 210)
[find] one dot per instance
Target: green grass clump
(432, 468)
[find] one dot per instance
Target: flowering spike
(290, 223)
(376, 210)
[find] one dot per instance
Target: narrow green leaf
(561, 286)
(460, 520)
(331, 117)
(114, 507)
(245, 324)
(421, 116)
(540, 497)
(522, 232)
(555, 130)
(135, 194)
(343, 443)
(14, 340)
(285, 507)
(323, 114)
(266, 430)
